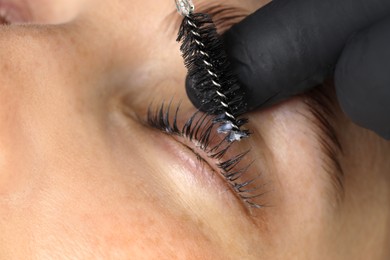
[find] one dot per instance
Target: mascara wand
(209, 71)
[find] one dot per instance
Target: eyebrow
(224, 16)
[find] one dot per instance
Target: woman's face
(83, 176)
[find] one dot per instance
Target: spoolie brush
(209, 71)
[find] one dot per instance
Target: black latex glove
(290, 46)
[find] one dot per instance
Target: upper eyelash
(200, 130)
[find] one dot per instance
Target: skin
(82, 177)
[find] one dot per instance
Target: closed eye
(199, 134)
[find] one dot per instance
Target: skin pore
(83, 177)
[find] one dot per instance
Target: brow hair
(224, 16)
(324, 110)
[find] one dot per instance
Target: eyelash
(200, 129)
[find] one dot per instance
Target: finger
(289, 46)
(362, 78)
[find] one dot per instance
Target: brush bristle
(210, 74)
(205, 32)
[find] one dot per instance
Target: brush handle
(289, 46)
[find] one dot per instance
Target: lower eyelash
(200, 129)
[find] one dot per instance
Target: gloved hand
(290, 46)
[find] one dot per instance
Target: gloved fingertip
(362, 80)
